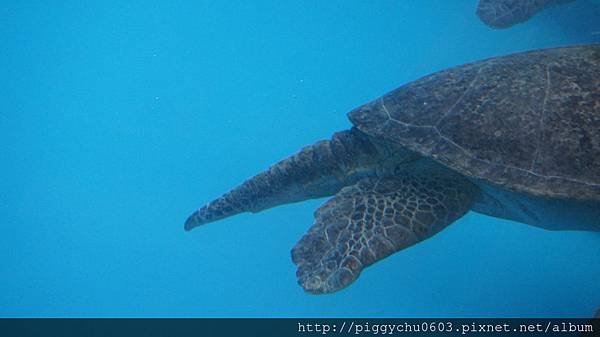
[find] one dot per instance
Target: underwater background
(117, 120)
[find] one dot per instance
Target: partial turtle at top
(513, 137)
(505, 13)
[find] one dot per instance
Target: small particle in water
(301, 81)
(156, 98)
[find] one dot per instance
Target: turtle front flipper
(505, 13)
(317, 171)
(373, 219)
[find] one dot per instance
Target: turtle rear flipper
(373, 219)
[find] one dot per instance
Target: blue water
(118, 120)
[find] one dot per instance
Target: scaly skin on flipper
(318, 170)
(505, 13)
(371, 220)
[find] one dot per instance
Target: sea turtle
(515, 137)
(505, 13)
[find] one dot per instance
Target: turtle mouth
(313, 285)
(319, 283)
(318, 277)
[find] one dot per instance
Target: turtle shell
(529, 122)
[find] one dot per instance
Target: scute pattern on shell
(529, 122)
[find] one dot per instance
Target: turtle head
(318, 170)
